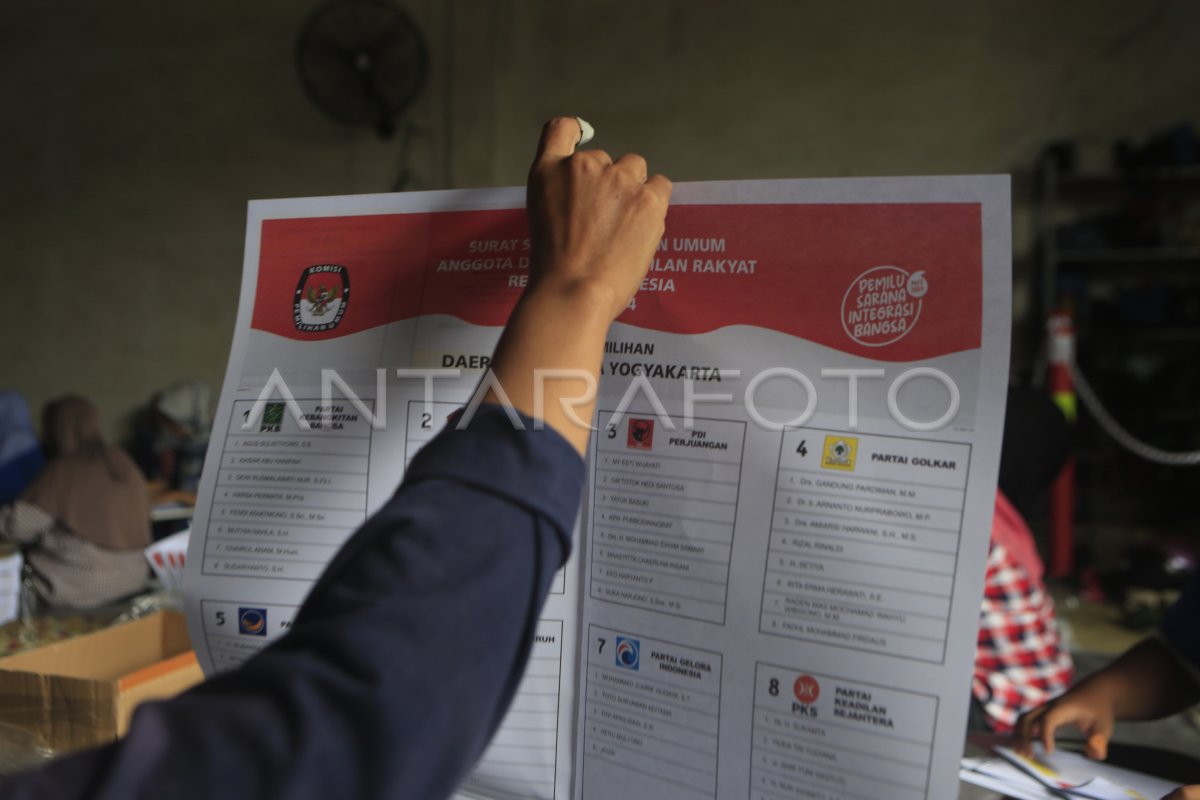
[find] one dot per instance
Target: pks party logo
(807, 689)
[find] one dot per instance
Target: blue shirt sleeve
(16, 475)
(1181, 625)
(402, 661)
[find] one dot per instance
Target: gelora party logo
(628, 654)
(883, 304)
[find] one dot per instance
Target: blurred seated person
(85, 520)
(171, 439)
(20, 453)
(1021, 659)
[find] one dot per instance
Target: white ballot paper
(1061, 774)
(775, 587)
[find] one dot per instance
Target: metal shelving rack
(1095, 283)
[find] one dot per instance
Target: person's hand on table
(1093, 707)
(1088, 707)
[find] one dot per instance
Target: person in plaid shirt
(1020, 658)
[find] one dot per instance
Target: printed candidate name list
(665, 504)
(864, 541)
(286, 497)
(651, 718)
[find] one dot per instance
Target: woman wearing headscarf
(20, 454)
(86, 518)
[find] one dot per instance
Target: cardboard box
(81, 692)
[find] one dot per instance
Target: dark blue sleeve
(17, 474)
(400, 664)
(1181, 625)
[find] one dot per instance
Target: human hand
(595, 223)
(1185, 793)
(1088, 707)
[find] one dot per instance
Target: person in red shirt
(1021, 658)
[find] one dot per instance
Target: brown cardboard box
(82, 691)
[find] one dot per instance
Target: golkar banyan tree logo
(882, 305)
(321, 297)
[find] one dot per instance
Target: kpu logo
(628, 653)
(252, 621)
(321, 298)
(641, 434)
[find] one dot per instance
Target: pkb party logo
(321, 298)
(883, 304)
(252, 621)
(629, 655)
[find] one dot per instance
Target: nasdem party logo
(628, 653)
(321, 298)
(252, 621)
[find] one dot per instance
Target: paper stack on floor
(10, 587)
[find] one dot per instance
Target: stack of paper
(1061, 774)
(166, 558)
(10, 587)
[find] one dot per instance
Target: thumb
(1097, 740)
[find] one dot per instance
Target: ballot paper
(775, 588)
(1060, 774)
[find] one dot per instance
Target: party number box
(82, 692)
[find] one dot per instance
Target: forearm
(1146, 682)
(595, 224)
(554, 378)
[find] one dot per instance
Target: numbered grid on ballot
(287, 498)
(234, 631)
(864, 542)
(823, 737)
(651, 717)
(663, 511)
